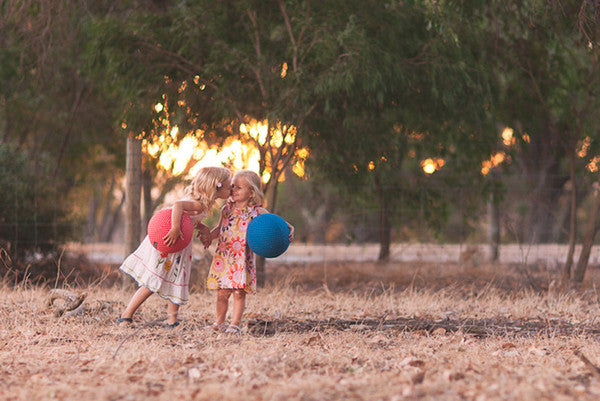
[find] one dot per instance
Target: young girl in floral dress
(168, 274)
(233, 267)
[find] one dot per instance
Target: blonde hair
(253, 180)
(206, 183)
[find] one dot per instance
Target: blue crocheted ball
(268, 235)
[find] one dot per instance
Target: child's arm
(208, 237)
(214, 233)
(262, 210)
(176, 212)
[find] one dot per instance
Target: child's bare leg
(239, 303)
(172, 310)
(222, 305)
(136, 300)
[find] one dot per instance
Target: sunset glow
(592, 166)
(494, 161)
(193, 153)
(584, 147)
(431, 165)
(257, 130)
(508, 137)
(183, 154)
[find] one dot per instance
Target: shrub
(33, 214)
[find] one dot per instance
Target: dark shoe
(124, 319)
(171, 326)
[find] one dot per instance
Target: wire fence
(351, 233)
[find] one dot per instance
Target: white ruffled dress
(167, 274)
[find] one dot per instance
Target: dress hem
(156, 291)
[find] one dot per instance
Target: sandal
(233, 329)
(124, 320)
(218, 327)
(171, 325)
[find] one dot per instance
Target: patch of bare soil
(498, 326)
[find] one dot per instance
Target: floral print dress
(167, 274)
(233, 265)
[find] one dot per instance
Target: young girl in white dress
(168, 274)
(233, 267)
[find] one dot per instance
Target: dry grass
(87, 357)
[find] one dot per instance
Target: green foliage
(408, 87)
(545, 70)
(50, 105)
(373, 86)
(33, 217)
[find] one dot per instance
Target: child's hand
(172, 236)
(204, 235)
(206, 241)
(291, 227)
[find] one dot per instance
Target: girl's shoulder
(246, 212)
(254, 210)
(259, 209)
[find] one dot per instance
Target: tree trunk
(147, 196)
(494, 227)
(590, 234)
(133, 194)
(315, 221)
(573, 221)
(541, 217)
(92, 225)
(271, 196)
(540, 161)
(385, 233)
(109, 230)
(385, 227)
(105, 209)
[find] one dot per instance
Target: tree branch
(291, 35)
(255, 69)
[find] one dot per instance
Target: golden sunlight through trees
(592, 166)
(268, 148)
(191, 149)
(431, 165)
(495, 160)
(238, 152)
(583, 149)
(508, 139)
(508, 136)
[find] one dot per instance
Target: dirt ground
(317, 331)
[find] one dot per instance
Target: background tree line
(373, 88)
